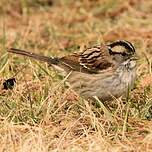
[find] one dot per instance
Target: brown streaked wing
(96, 58)
(91, 60)
(71, 62)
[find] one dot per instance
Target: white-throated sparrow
(103, 71)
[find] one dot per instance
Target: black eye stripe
(123, 54)
(120, 53)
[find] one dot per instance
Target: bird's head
(121, 50)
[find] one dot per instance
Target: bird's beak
(135, 57)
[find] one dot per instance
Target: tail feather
(49, 60)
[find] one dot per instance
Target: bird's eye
(124, 54)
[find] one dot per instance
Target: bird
(105, 71)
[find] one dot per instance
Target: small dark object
(9, 83)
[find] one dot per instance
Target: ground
(40, 113)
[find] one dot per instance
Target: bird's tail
(49, 60)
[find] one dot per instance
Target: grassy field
(40, 113)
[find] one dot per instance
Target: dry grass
(41, 114)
